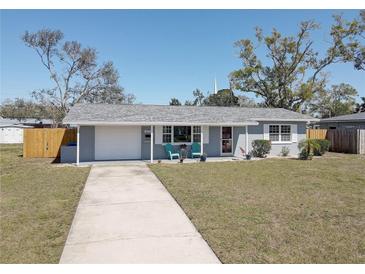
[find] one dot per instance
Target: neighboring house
(356, 120)
(117, 132)
(37, 123)
(11, 130)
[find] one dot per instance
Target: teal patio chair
(171, 153)
(195, 150)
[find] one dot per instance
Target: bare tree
(75, 73)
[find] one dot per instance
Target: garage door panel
(117, 143)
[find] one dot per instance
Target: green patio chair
(195, 150)
(171, 151)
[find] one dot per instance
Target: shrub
(307, 148)
(285, 151)
(324, 146)
(260, 148)
(303, 155)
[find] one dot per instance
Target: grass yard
(275, 210)
(38, 202)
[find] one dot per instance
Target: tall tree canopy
(174, 102)
(292, 73)
(357, 53)
(198, 99)
(21, 109)
(360, 107)
(223, 97)
(75, 73)
(339, 100)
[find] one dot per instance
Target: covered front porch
(121, 142)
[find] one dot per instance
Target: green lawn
(275, 210)
(38, 202)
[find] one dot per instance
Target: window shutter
(205, 130)
(266, 132)
(294, 133)
(158, 134)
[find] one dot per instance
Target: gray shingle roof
(157, 114)
(357, 117)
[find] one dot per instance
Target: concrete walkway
(126, 215)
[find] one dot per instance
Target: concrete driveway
(126, 215)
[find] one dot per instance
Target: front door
(226, 140)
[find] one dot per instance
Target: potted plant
(203, 157)
(248, 155)
(183, 152)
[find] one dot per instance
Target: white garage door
(117, 143)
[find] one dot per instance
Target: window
(274, 133)
(182, 134)
(285, 133)
(196, 134)
(280, 133)
(166, 134)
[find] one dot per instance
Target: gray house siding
(87, 143)
(257, 132)
(213, 148)
(87, 147)
(239, 140)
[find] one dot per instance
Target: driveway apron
(125, 215)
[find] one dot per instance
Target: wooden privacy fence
(46, 142)
(316, 133)
(347, 140)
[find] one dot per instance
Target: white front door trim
(221, 139)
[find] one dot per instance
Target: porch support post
(201, 140)
(78, 146)
(246, 131)
(152, 141)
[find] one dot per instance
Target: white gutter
(288, 120)
(342, 121)
(95, 123)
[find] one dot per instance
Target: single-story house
(11, 133)
(356, 120)
(118, 132)
(11, 130)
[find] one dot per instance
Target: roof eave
(344, 121)
(288, 120)
(102, 123)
